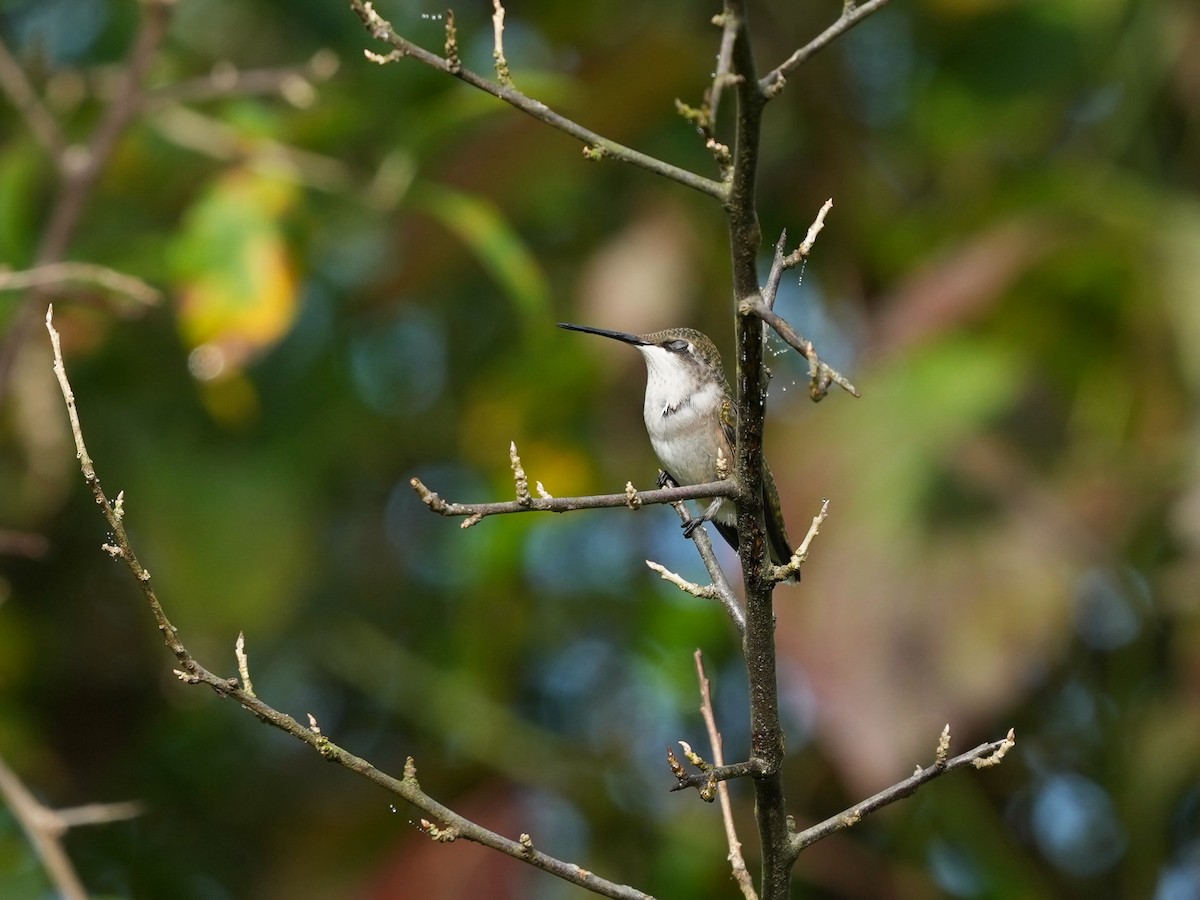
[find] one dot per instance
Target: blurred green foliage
(361, 273)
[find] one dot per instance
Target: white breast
(683, 420)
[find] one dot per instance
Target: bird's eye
(676, 345)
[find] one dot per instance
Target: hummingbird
(692, 423)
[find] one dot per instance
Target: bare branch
(45, 827)
(56, 274)
(293, 83)
(723, 75)
(475, 512)
(780, 262)
(722, 591)
(191, 671)
(984, 755)
(750, 768)
(821, 374)
(502, 73)
(98, 813)
(243, 663)
(596, 146)
(801, 253)
(773, 82)
(792, 566)
(704, 592)
(737, 862)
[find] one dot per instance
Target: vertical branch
(766, 732)
(736, 861)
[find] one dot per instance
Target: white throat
(674, 386)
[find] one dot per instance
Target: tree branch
(821, 374)
(750, 768)
(293, 83)
(774, 81)
(44, 827)
(452, 826)
(745, 236)
(736, 861)
(781, 262)
(475, 512)
(984, 755)
(597, 146)
(55, 274)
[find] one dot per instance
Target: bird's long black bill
(605, 332)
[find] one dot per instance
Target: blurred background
(361, 267)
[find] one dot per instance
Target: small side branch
(56, 274)
(821, 375)
(720, 589)
(45, 827)
(983, 756)
(792, 566)
(723, 76)
(502, 73)
(294, 84)
(782, 262)
(773, 83)
(736, 861)
(716, 774)
(596, 146)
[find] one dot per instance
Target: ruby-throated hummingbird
(692, 422)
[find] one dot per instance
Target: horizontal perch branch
(631, 498)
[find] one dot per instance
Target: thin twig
(54, 274)
(723, 75)
(98, 813)
(243, 663)
(781, 261)
(596, 146)
(293, 83)
(984, 755)
(811, 238)
(33, 819)
(703, 591)
(45, 828)
(736, 861)
(502, 73)
(722, 591)
(775, 80)
(800, 555)
(821, 374)
(190, 671)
